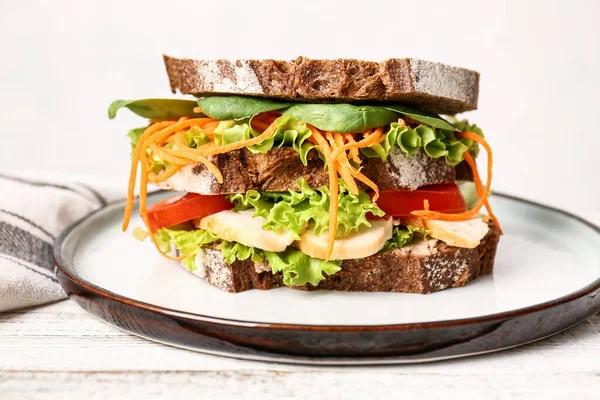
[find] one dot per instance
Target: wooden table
(59, 351)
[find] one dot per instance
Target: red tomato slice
(444, 198)
(179, 209)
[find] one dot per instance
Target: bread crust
(431, 86)
(422, 267)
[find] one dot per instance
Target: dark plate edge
(498, 317)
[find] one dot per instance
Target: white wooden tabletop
(60, 351)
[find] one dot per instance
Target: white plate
(546, 278)
(542, 256)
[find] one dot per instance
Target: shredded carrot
(192, 155)
(163, 176)
(312, 139)
(479, 188)
(157, 131)
(133, 171)
(152, 140)
(143, 204)
(320, 140)
(361, 177)
(366, 142)
(482, 192)
(334, 151)
(167, 155)
(209, 128)
(353, 150)
(333, 188)
(344, 165)
(267, 134)
(337, 149)
(197, 110)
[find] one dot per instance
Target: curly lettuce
(195, 137)
(296, 267)
(435, 142)
(464, 125)
(434, 134)
(289, 132)
(299, 269)
(232, 251)
(134, 136)
(187, 242)
(295, 210)
(401, 236)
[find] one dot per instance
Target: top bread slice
(431, 86)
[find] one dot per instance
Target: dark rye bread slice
(431, 86)
(280, 168)
(423, 267)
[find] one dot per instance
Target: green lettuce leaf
(402, 236)
(296, 267)
(295, 210)
(465, 126)
(195, 137)
(299, 269)
(232, 251)
(435, 142)
(187, 242)
(157, 109)
(289, 132)
(134, 136)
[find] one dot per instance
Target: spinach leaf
(160, 109)
(237, 107)
(433, 120)
(343, 118)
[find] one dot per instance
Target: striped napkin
(32, 213)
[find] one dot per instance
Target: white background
(62, 63)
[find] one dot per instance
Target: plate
(546, 279)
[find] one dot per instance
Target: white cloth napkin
(32, 213)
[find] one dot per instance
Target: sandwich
(316, 175)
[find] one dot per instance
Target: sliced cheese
(366, 242)
(243, 228)
(466, 234)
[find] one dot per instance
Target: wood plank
(62, 337)
(60, 351)
(298, 384)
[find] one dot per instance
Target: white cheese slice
(243, 228)
(366, 242)
(466, 234)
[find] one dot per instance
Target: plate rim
(62, 265)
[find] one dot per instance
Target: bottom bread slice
(425, 266)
